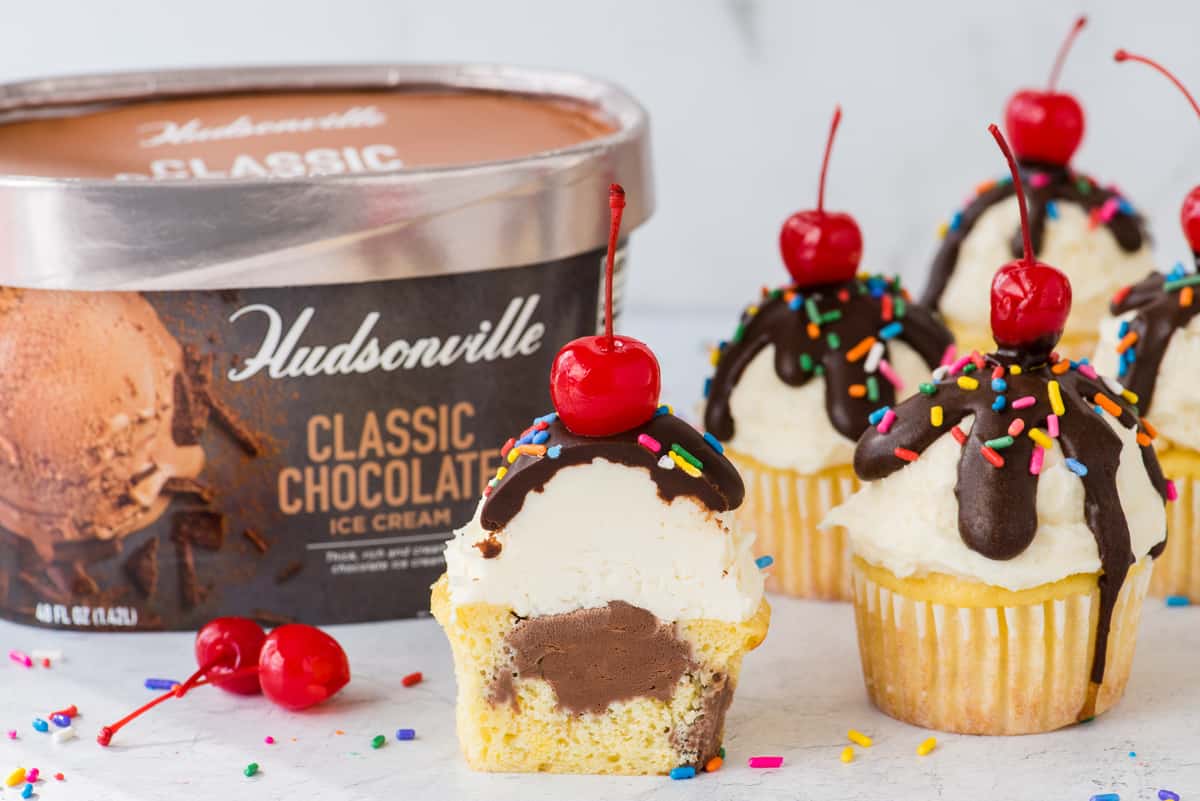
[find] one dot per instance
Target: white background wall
(740, 93)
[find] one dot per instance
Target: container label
(295, 453)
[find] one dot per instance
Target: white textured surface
(799, 694)
(788, 427)
(1090, 257)
(1175, 406)
(908, 522)
(599, 532)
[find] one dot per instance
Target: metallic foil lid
(99, 234)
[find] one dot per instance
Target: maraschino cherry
(1047, 126)
(603, 385)
(1030, 300)
(821, 247)
(1189, 215)
(295, 666)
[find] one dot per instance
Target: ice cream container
(263, 331)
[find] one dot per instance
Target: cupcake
(1090, 231)
(600, 602)
(1151, 343)
(1005, 542)
(808, 368)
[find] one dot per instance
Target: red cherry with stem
(607, 384)
(1030, 300)
(229, 644)
(1047, 126)
(301, 666)
(233, 652)
(1189, 215)
(821, 247)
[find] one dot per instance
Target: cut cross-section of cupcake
(600, 602)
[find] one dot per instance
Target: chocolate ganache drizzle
(1018, 407)
(829, 331)
(1161, 305)
(1044, 184)
(680, 460)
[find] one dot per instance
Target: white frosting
(1175, 407)
(787, 427)
(908, 522)
(1090, 257)
(600, 532)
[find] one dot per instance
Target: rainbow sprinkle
(936, 416)
(967, 383)
(683, 464)
(1076, 467)
(683, 772)
(763, 562)
(885, 425)
(649, 443)
(926, 747)
(858, 738)
(1036, 460)
(1038, 436)
(995, 459)
(891, 375)
(1024, 402)
(765, 761)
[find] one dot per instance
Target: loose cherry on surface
(229, 644)
(1030, 300)
(296, 666)
(603, 385)
(1047, 126)
(301, 666)
(1189, 215)
(821, 247)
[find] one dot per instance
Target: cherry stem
(616, 205)
(1064, 49)
(197, 679)
(1125, 55)
(833, 126)
(1016, 177)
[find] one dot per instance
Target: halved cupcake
(601, 601)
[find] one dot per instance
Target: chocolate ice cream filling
(595, 657)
